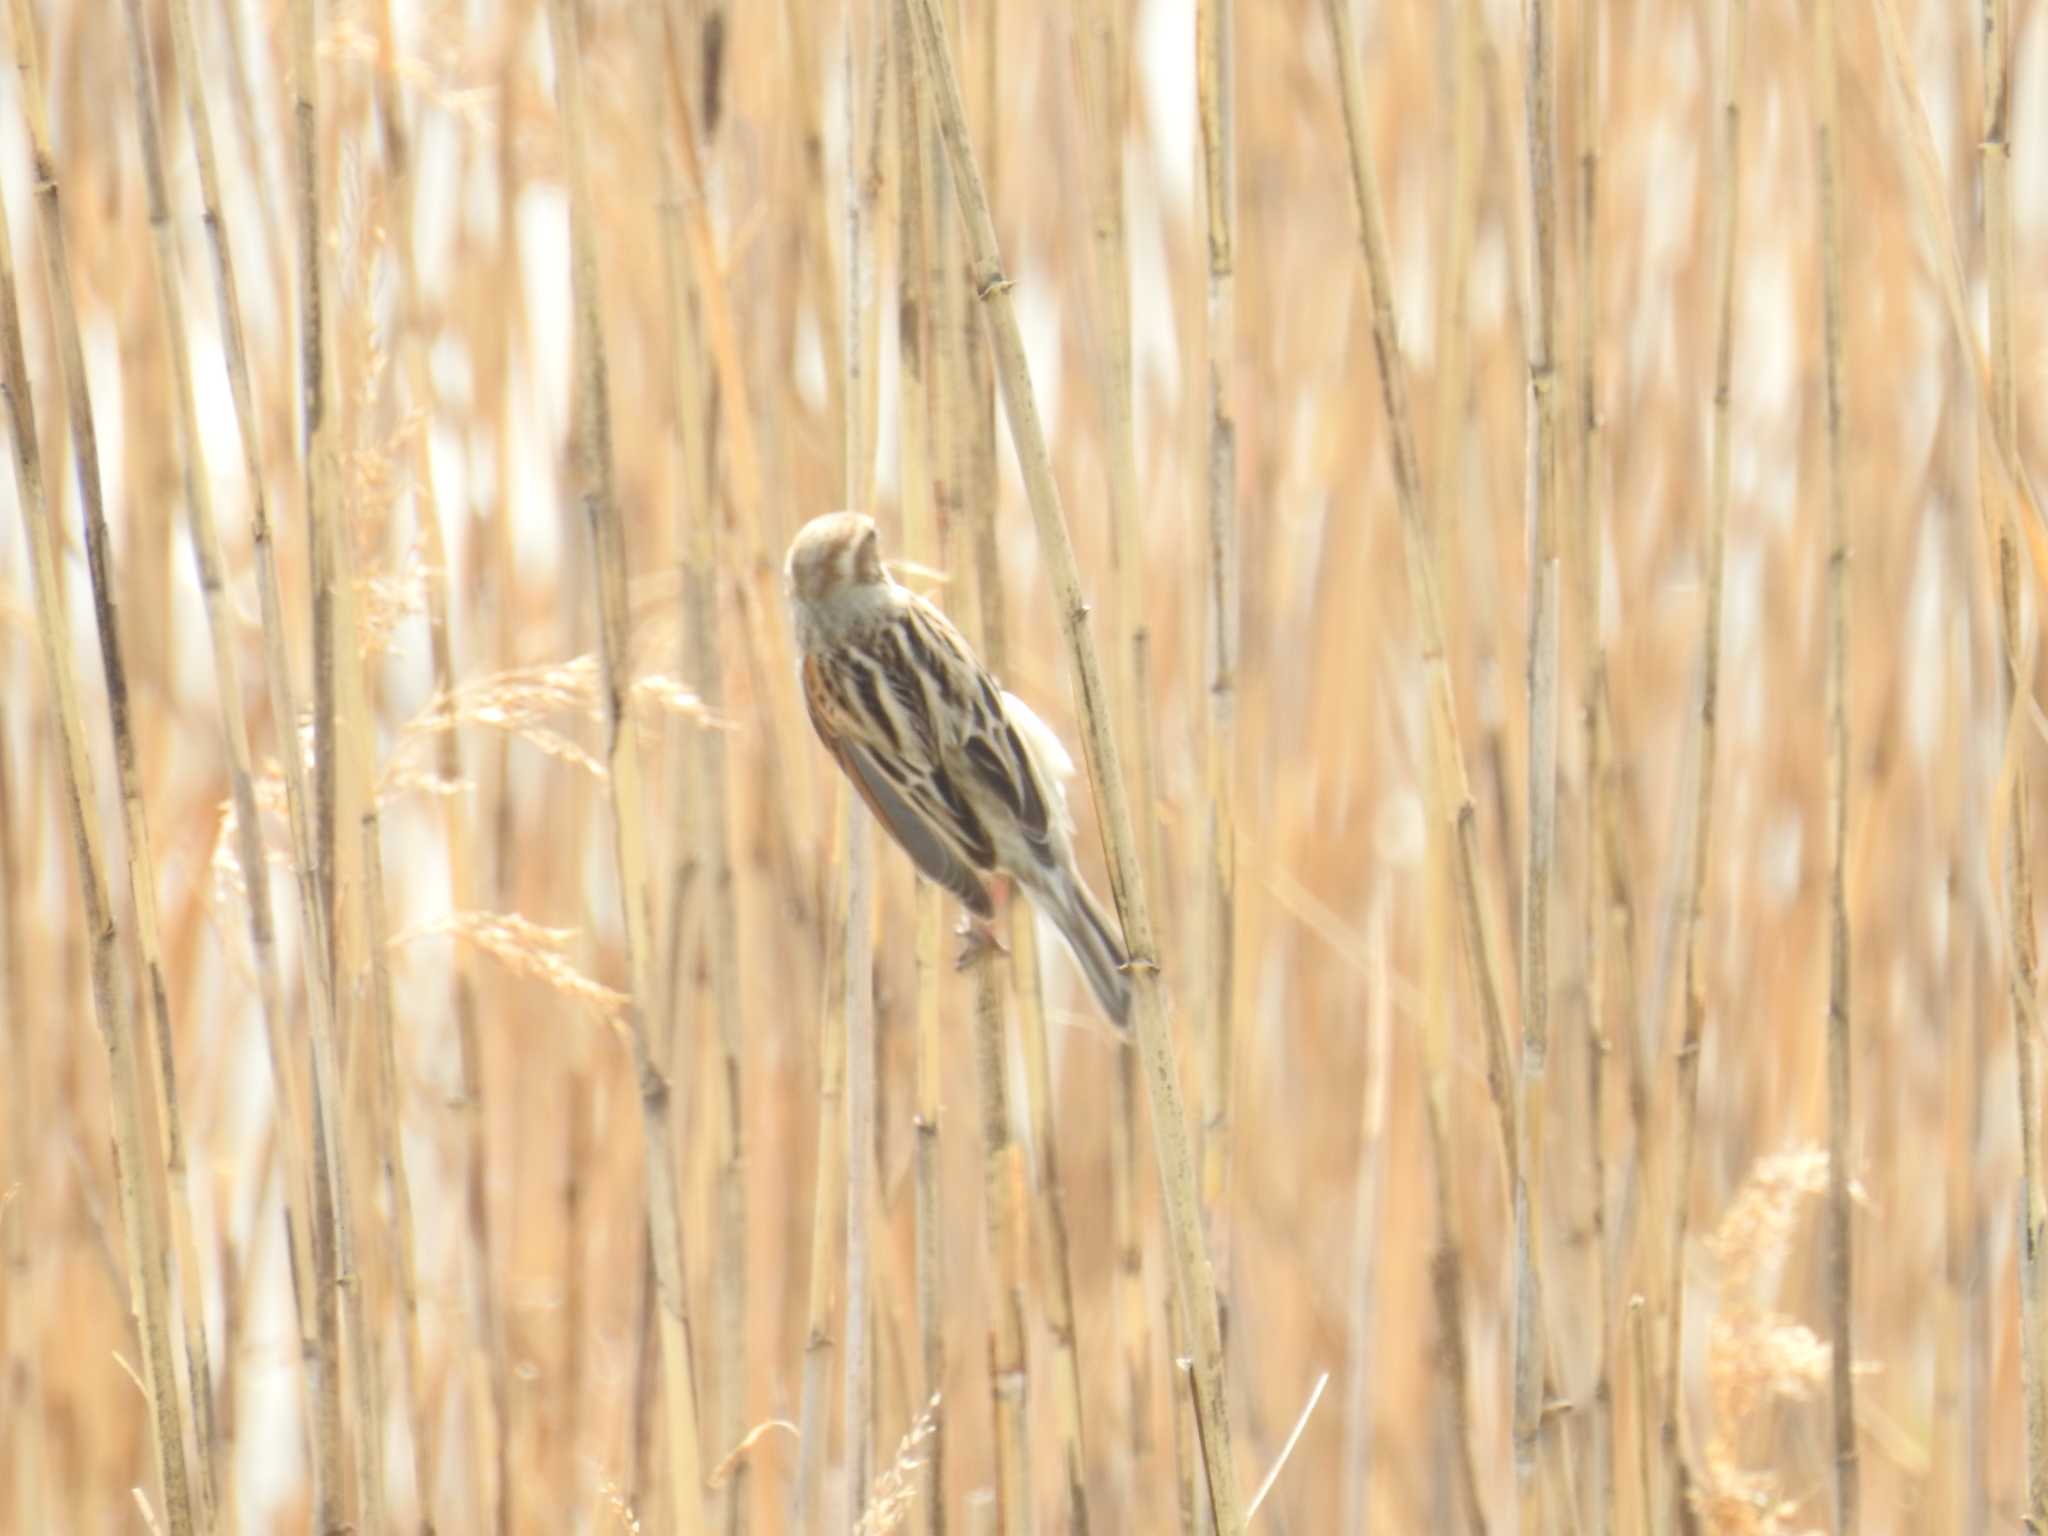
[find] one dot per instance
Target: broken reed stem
(136, 1172)
(2001, 425)
(1836, 1261)
(921, 473)
(1194, 1280)
(1726, 220)
(701, 791)
(592, 461)
(1539, 870)
(1458, 815)
(1645, 1395)
(1215, 75)
(1593, 656)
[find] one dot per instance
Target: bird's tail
(1092, 938)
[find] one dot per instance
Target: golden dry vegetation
(1494, 555)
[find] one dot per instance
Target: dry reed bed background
(454, 1179)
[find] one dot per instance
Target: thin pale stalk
(1105, 76)
(1367, 1200)
(1194, 1280)
(133, 1164)
(1545, 430)
(339, 1301)
(390, 1133)
(1215, 75)
(1461, 214)
(1590, 547)
(592, 461)
(828, 1223)
(1004, 1210)
(1645, 1397)
(1057, 1273)
(1998, 437)
(858, 1396)
(21, 1388)
(1836, 1262)
(1726, 220)
(920, 477)
(1447, 1261)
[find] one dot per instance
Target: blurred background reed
(336, 1213)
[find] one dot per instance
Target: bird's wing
(987, 740)
(857, 711)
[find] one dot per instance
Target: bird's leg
(979, 939)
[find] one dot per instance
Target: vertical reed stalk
(2000, 424)
(1004, 1210)
(1447, 1262)
(1366, 1250)
(1057, 1271)
(1836, 1262)
(814, 1424)
(1590, 549)
(701, 771)
(330, 940)
(1545, 429)
(592, 458)
(1726, 224)
(1106, 89)
(21, 1385)
(1216, 87)
(137, 1173)
(1194, 1279)
(924, 475)
(858, 1404)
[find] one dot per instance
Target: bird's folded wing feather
(899, 777)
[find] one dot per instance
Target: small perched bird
(960, 772)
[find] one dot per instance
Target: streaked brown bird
(961, 773)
